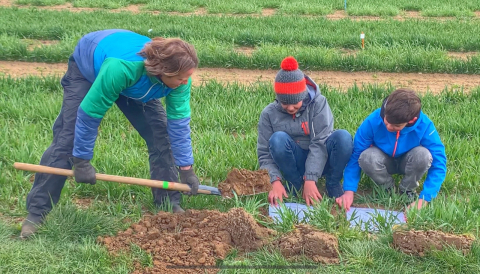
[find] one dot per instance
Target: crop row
(397, 58)
(317, 7)
(452, 35)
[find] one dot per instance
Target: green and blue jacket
(109, 60)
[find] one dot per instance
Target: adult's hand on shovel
(188, 176)
(83, 171)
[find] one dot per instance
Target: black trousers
(149, 119)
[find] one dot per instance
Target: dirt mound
(306, 240)
(194, 238)
(245, 182)
(245, 232)
(417, 242)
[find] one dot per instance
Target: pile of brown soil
(245, 182)
(417, 242)
(306, 240)
(194, 238)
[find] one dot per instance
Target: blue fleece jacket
(373, 131)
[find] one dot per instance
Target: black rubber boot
(176, 208)
(160, 195)
(30, 226)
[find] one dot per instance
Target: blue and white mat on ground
(366, 218)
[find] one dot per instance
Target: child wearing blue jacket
(397, 138)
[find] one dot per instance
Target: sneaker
(390, 190)
(29, 226)
(411, 195)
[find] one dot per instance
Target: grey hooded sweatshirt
(309, 127)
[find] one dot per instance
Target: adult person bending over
(132, 71)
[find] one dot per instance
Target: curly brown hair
(168, 56)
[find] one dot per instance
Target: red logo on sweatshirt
(305, 128)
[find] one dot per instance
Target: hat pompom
(289, 63)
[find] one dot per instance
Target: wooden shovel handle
(110, 178)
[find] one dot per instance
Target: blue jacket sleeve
(86, 130)
(178, 124)
(363, 140)
(179, 134)
(437, 172)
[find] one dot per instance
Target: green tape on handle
(165, 184)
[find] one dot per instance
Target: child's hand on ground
(278, 192)
(419, 204)
(346, 200)
(310, 192)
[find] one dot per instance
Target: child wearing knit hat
(296, 140)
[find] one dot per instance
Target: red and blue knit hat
(290, 85)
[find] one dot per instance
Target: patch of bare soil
(6, 3)
(349, 52)
(131, 8)
(268, 12)
(193, 238)
(420, 82)
(412, 14)
(245, 182)
(337, 15)
(247, 51)
(34, 43)
(10, 219)
(417, 242)
(462, 55)
(200, 11)
(63, 7)
(23, 69)
(341, 14)
(306, 240)
(83, 203)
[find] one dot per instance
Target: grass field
(463, 8)
(224, 124)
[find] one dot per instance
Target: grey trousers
(380, 167)
(148, 119)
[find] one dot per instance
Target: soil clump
(191, 240)
(245, 182)
(306, 240)
(417, 242)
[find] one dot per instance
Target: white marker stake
(362, 36)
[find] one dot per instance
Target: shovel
(119, 179)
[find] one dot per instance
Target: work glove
(188, 177)
(83, 171)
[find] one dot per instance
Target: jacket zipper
(396, 143)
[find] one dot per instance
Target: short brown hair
(168, 56)
(402, 106)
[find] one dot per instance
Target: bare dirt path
(434, 83)
(337, 15)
